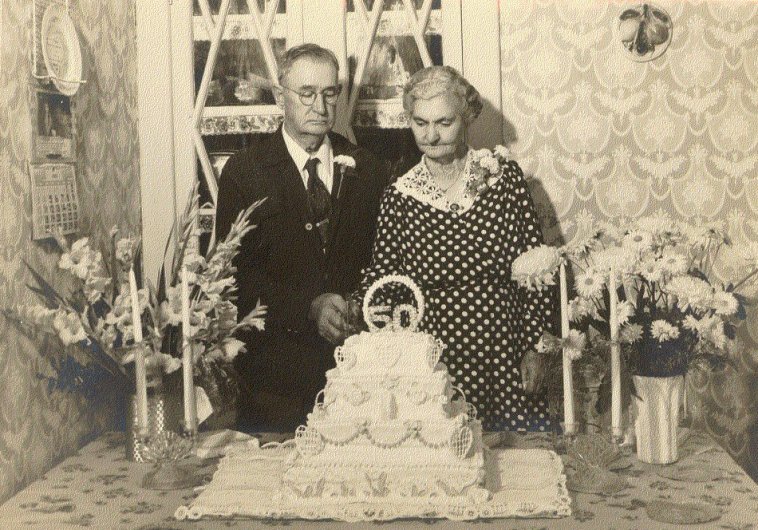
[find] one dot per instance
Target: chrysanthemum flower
(663, 331)
(536, 267)
(630, 333)
(691, 292)
(724, 303)
(617, 259)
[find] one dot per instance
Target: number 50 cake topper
(372, 314)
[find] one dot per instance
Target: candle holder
(188, 432)
(156, 414)
(166, 450)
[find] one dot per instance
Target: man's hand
(533, 372)
(329, 311)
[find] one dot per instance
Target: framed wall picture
(53, 131)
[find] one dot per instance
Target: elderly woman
(456, 235)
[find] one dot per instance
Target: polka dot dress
(462, 260)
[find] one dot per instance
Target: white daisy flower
(656, 224)
(663, 331)
(651, 270)
(589, 283)
(624, 311)
(638, 241)
(673, 263)
(703, 233)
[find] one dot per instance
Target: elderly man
(315, 232)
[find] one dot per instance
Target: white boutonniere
(486, 168)
(345, 163)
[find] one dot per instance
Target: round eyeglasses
(308, 97)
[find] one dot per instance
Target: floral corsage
(347, 165)
(486, 167)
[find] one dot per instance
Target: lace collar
(420, 184)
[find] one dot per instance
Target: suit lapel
(282, 169)
(342, 188)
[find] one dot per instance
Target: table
(99, 488)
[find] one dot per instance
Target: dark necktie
(319, 200)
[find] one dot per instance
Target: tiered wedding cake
(389, 437)
(390, 426)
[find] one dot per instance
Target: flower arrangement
(485, 168)
(97, 313)
(671, 312)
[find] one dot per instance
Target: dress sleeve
(538, 307)
(386, 255)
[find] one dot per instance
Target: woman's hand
(533, 372)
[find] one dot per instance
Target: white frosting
(387, 352)
(388, 410)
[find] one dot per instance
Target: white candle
(615, 359)
(568, 370)
(190, 407)
(140, 373)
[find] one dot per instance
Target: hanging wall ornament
(644, 31)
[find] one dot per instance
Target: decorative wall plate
(60, 49)
(644, 31)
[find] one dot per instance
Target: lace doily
(419, 184)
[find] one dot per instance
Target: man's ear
(278, 95)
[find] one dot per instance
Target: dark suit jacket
(282, 264)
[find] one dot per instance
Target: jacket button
(309, 226)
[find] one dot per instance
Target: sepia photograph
(53, 129)
(379, 263)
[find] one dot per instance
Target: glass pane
(237, 7)
(392, 61)
(392, 4)
(240, 76)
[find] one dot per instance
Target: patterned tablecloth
(99, 488)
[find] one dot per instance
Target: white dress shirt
(301, 156)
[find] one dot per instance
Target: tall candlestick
(140, 372)
(190, 406)
(615, 359)
(568, 370)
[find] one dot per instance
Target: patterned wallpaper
(38, 428)
(610, 139)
